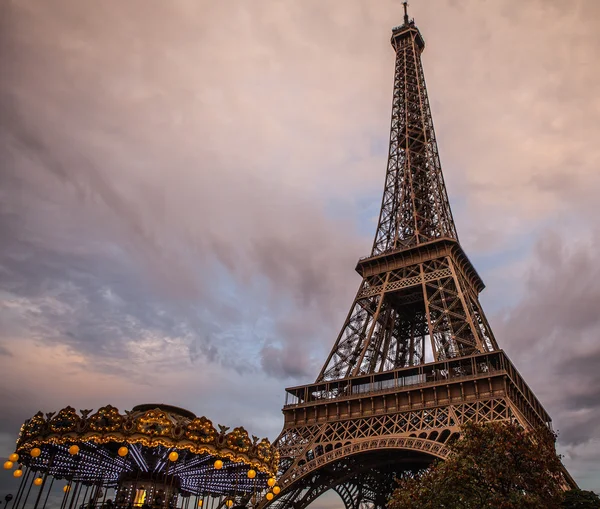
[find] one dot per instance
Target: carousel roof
(108, 446)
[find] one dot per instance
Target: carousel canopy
(108, 448)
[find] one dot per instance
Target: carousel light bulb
(200, 502)
(173, 456)
(35, 452)
(18, 472)
(38, 481)
(269, 496)
(218, 464)
(271, 482)
(276, 490)
(66, 488)
(123, 451)
(73, 450)
(8, 465)
(251, 474)
(13, 457)
(229, 503)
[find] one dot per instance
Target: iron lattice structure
(418, 284)
(416, 357)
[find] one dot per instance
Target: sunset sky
(186, 186)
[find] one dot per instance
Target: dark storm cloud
(179, 213)
(553, 335)
(138, 215)
(586, 367)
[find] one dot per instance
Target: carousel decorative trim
(150, 427)
(151, 456)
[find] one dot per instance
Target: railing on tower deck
(452, 370)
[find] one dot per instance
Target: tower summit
(416, 357)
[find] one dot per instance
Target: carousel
(152, 457)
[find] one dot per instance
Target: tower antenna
(405, 4)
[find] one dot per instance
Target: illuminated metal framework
(153, 456)
(416, 357)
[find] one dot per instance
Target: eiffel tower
(416, 357)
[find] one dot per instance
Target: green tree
(580, 499)
(494, 465)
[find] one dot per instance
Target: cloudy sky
(185, 188)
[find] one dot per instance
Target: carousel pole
(253, 498)
(104, 495)
(209, 485)
(119, 476)
(134, 490)
(47, 494)
(75, 496)
(81, 485)
(87, 488)
(200, 495)
(171, 488)
(66, 490)
(21, 489)
(150, 498)
(93, 495)
(44, 479)
(73, 452)
(99, 493)
(28, 491)
(165, 502)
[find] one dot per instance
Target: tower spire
(405, 4)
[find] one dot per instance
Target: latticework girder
(398, 313)
(415, 207)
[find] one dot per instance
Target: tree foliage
(494, 465)
(580, 499)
